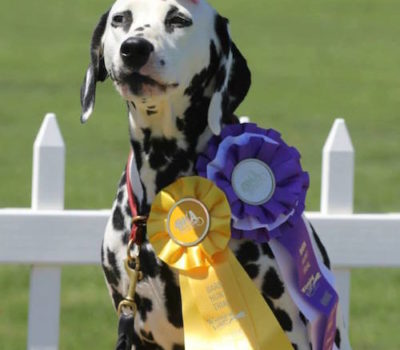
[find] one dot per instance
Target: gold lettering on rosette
(312, 283)
(217, 298)
(302, 249)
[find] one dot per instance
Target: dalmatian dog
(182, 77)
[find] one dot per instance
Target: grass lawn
(311, 61)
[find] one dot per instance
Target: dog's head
(157, 47)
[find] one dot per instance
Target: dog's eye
(176, 19)
(118, 19)
(121, 19)
(180, 21)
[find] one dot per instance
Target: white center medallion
(253, 181)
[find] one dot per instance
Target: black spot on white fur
(182, 162)
(281, 315)
(120, 196)
(247, 252)
(118, 219)
(117, 297)
(252, 270)
(272, 285)
(321, 248)
(148, 342)
(145, 305)
(303, 318)
(283, 319)
(266, 249)
(149, 265)
(172, 296)
(112, 261)
(337, 338)
(128, 210)
(158, 149)
(110, 276)
(102, 252)
(126, 237)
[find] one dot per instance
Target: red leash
(136, 235)
(127, 307)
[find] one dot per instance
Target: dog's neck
(167, 133)
(158, 114)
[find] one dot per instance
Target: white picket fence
(47, 237)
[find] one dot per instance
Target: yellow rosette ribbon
(189, 228)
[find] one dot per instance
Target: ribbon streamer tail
(271, 337)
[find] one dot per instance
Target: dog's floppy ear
(96, 71)
(232, 80)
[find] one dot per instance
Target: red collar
(137, 221)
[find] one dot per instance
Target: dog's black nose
(135, 52)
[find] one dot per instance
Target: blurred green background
(312, 61)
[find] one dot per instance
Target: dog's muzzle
(135, 52)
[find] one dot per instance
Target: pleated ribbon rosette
(266, 187)
(189, 228)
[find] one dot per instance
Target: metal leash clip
(132, 268)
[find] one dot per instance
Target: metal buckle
(132, 268)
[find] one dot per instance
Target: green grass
(312, 61)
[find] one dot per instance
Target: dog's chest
(159, 320)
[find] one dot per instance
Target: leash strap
(132, 266)
(125, 332)
(131, 196)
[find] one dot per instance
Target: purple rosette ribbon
(259, 218)
(266, 187)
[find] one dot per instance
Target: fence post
(47, 193)
(337, 192)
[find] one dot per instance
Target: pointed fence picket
(48, 237)
(47, 194)
(337, 192)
